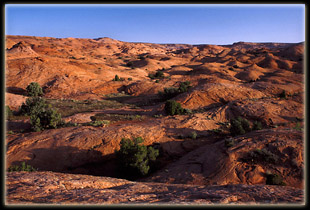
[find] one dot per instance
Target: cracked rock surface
(59, 188)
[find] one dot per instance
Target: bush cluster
(22, 167)
(171, 92)
(261, 156)
(229, 142)
(274, 179)
(134, 158)
(168, 93)
(117, 78)
(240, 126)
(173, 108)
(98, 123)
(157, 75)
(41, 115)
(184, 86)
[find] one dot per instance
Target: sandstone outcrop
(200, 160)
(50, 188)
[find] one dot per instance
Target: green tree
(34, 89)
(41, 115)
(173, 108)
(134, 158)
(33, 105)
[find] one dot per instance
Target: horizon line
(258, 42)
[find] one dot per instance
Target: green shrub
(34, 89)
(236, 127)
(171, 92)
(50, 118)
(274, 179)
(239, 126)
(129, 64)
(168, 93)
(261, 156)
(8, 112)
(22, 167)
(133, 158)
(157, 75)
(187, 111)
(229, 142)
(257, 125)
(193, 135)
(283, 94)
(97, 123)
(184, 86)
(33, 105)
(173, 108)
(298, 126)
(245, 124)
(117, 78)
(41, 115)
(151, 76)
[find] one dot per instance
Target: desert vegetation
(34, 89)
(194, 115)
(41, 115)
(134, 158)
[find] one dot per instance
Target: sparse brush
(193, 135)
(257, 125)
(22, 167)
(229, 142)
(261, 156)
(239, 126)
(98, 123)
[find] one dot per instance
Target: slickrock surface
(58, 188)
(200, 160)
